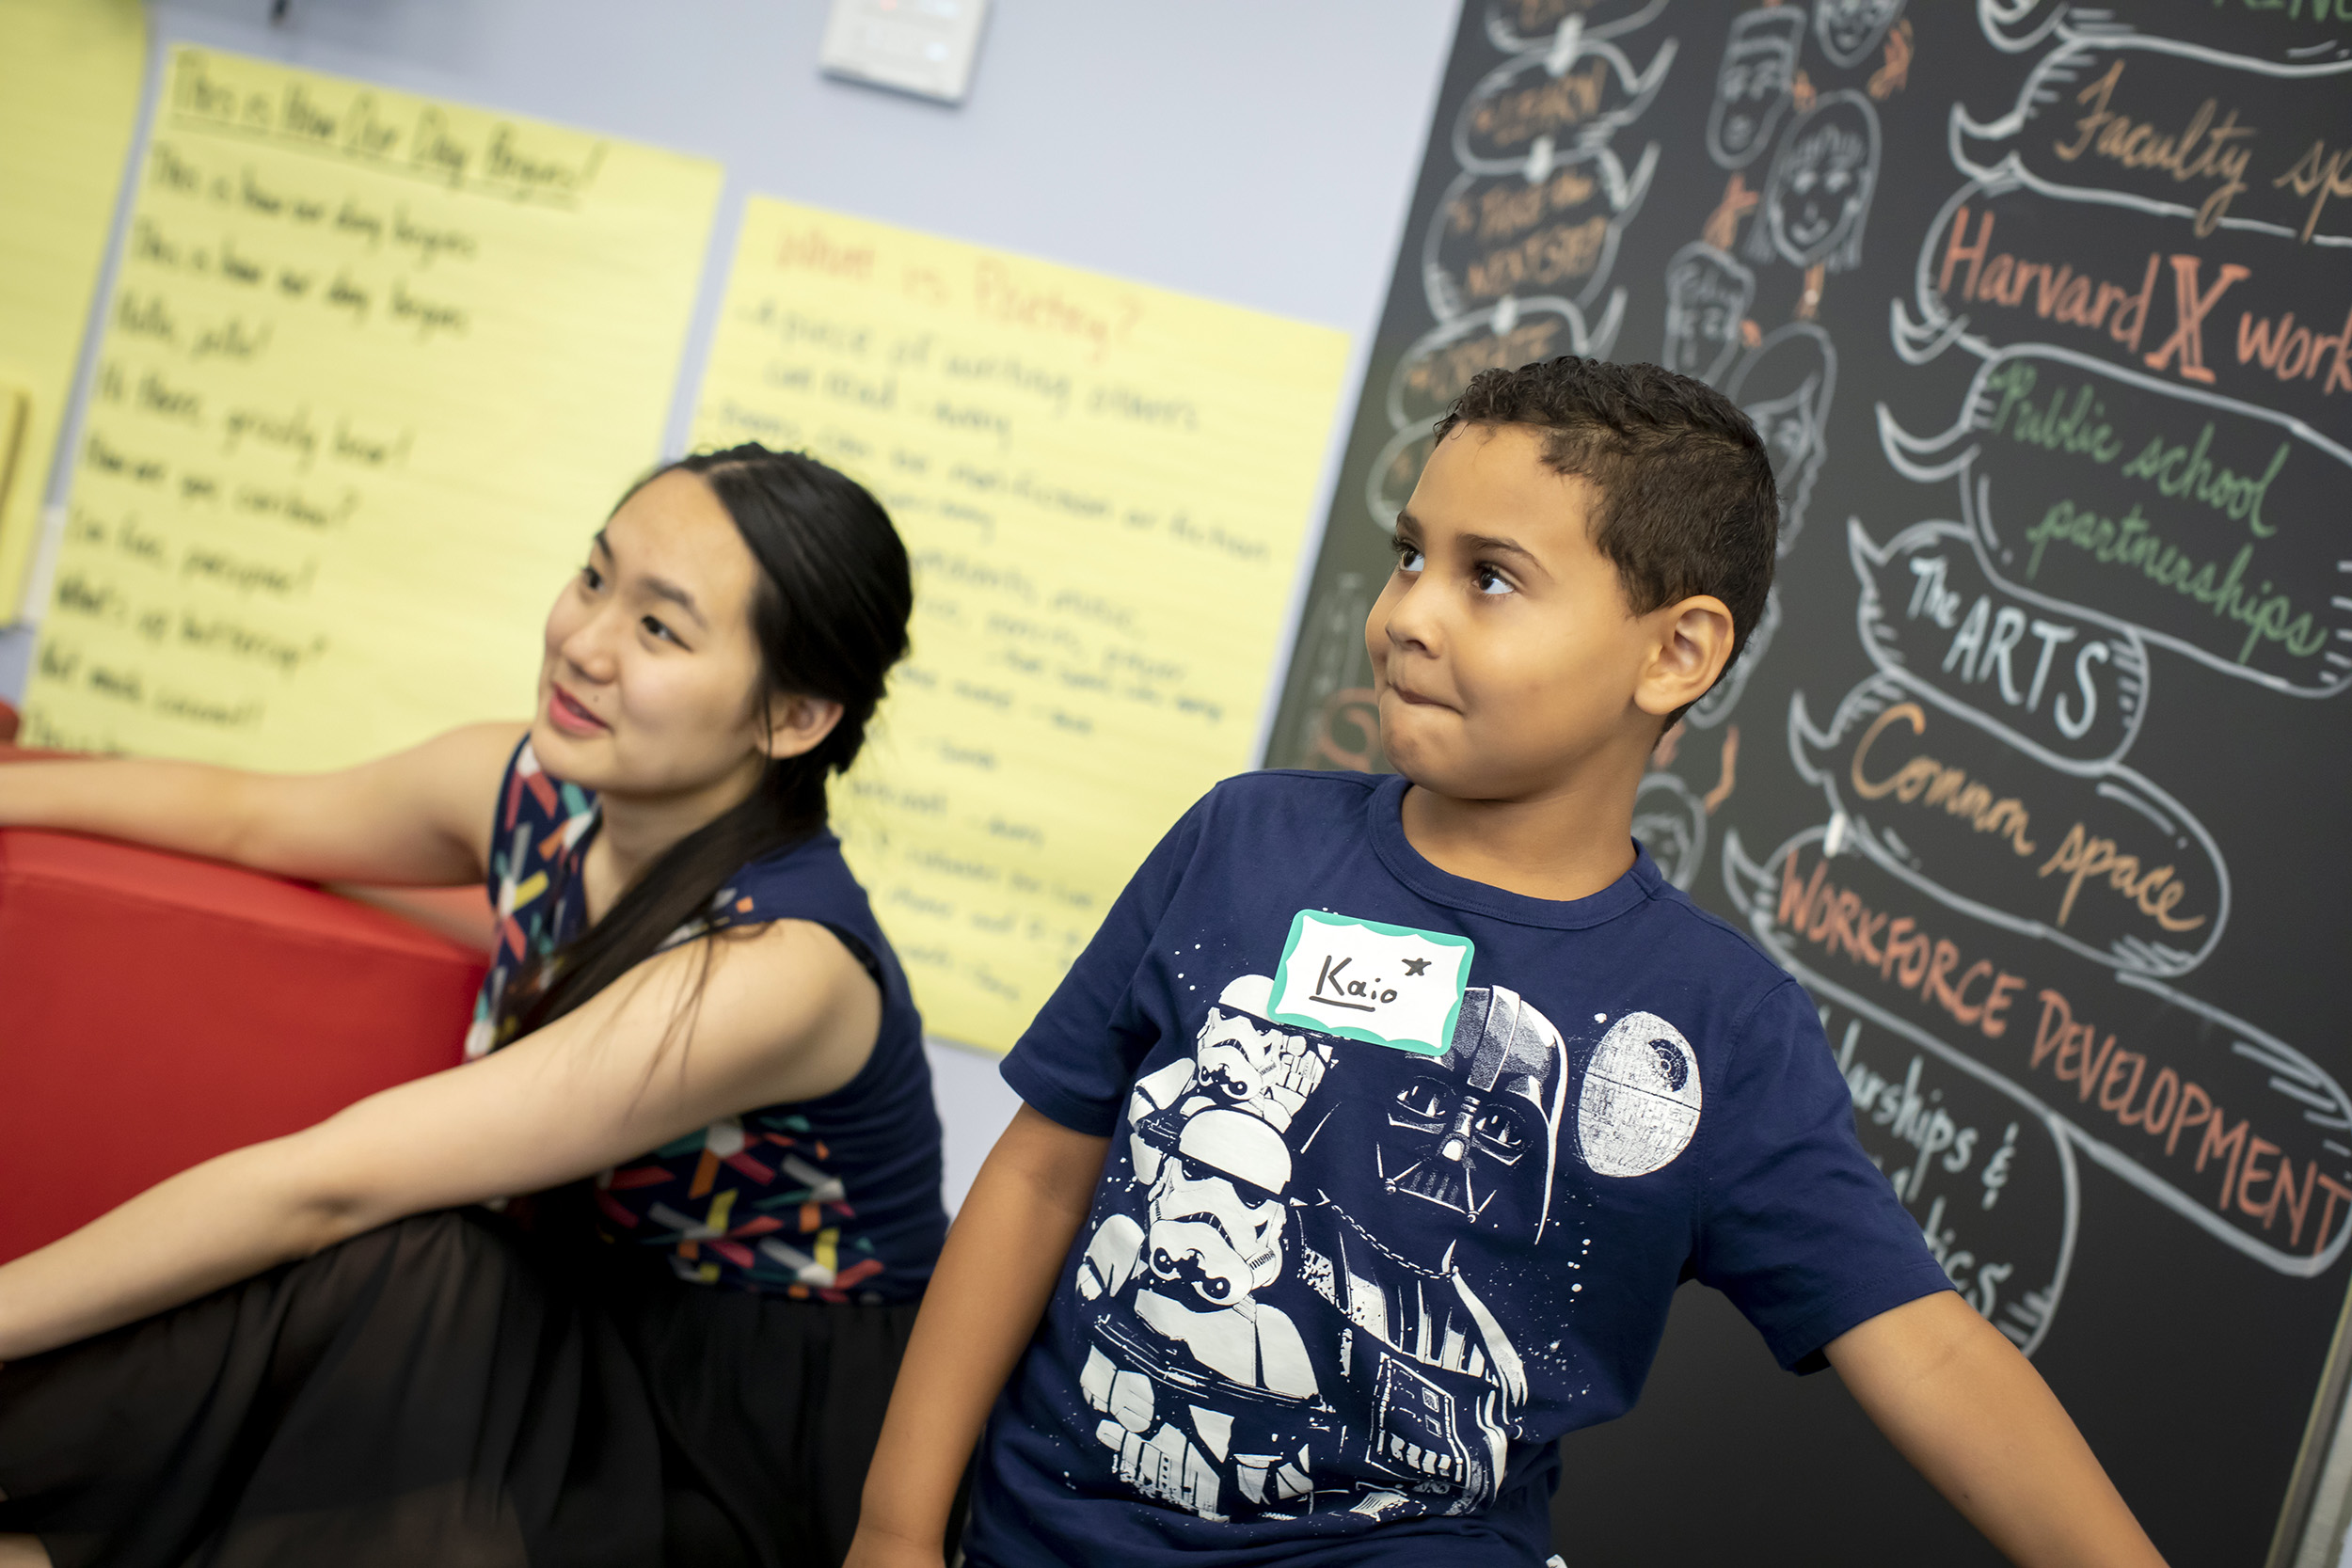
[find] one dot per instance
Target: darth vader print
(1475, 1131)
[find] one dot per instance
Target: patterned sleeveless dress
(685, 1361)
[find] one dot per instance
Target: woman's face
(651, 684)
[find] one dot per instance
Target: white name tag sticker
(1363, 980)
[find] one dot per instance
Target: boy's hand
(1977, 1421)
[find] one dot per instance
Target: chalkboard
(2031, 772)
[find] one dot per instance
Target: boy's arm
(1977, 1421)
(995, 1276)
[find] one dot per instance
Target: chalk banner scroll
(375, 367)
(1104, 487)
(2204, 519)
(2085, 129)
(2222, 1122)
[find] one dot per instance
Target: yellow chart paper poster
(1104, 488)
(375, 368)
(70, 72)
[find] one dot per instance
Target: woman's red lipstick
(568, 714)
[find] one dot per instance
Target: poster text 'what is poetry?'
(1104, 488)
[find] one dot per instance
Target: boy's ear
(797, 723)
(1693, 644)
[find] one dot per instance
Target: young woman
(694, 1047)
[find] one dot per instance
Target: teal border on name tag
(1299, 923)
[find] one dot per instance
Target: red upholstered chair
(156, 1010)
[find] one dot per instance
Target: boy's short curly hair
(1686, 501)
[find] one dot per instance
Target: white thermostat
(919, 46)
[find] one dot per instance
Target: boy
(1366, 1144)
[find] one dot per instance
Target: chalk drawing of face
(1819, 192)
(1752, 83)
(1850, 29)
(1785, 386)
(1707, 295)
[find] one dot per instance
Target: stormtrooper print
(1258, 1347)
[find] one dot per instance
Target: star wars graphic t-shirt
(1403, 1172)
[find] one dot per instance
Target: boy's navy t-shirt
(1403, 1172)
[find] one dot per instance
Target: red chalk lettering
(2296, 1203)
(2168, 1088)
(2057, 1023)
(2005, 989)
(1961, 1010)
(2115, 1104)
(1794, 900)
(1937, 990)
(2293, 353)
(1870, 927)
(2251, 1174)
(2229, 1148)
(1957, 251)
(2191, 308)
(2191, 1095)
(2337, 1192)
(2092, 1065)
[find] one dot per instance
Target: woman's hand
(699, 1033)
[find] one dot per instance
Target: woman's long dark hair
(830, 614)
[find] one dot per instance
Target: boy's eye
(591, 578)
(1491, 581)
(656, 628)
(1408, 557)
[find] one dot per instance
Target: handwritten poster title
(1102, 487)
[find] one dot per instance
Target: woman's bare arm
(786, 1014)
(1977, 1421)
(419, 817)
(995, 1276)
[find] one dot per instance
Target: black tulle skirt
(452, 1391)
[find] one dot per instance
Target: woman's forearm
(418, 817)
(220, 1222)
(994, 1279)
(185, 806)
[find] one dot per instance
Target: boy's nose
(1410, 623)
